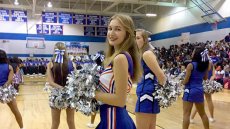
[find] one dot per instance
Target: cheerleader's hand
(5, 85)
(96, 93)
(160, 85)
(212, 78)
(59, 87)
(181, 84)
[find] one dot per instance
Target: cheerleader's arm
(151, 61)
(213, 73)
(188, 74)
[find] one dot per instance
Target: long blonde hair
(60, 71)
(129, 45)
(147, 46)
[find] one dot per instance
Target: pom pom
(167, 94)
(82, 85)
(7, 94)
(58, 98)
(79, 91)
(211, 86)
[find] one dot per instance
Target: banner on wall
(19, 15)
(79, 19)
(49, 17)
(93, 19)
(102, 31)
(42, 29)
(4, 15)
(65, 18)
(89, 31)
(104, 20)
(56, 29)
(76, 48)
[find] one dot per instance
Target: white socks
(211, 119)
(192, 121)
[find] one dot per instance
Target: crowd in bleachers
(34, 66)
(175, 59)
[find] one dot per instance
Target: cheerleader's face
(116, 33)
(139, 39)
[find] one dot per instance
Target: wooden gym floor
(33, 105)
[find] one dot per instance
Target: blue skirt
(195, 95)
(115, 118)
(146, 103)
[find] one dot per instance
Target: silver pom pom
(79, 91)
(211, 86)
(7, 93)
(82, 85)
(58, 98)
(167, 94)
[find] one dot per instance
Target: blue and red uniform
(113, 117)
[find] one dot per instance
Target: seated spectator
(219, 75)
(227, 38)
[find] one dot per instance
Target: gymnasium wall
(171, 22)
(13, 38)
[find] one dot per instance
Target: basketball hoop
(35, 42)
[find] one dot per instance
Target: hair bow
(100, 56)
(149, 39)
(204, 55)
(59, 55)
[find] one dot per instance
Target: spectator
(227, 38)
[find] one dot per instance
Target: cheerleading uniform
(194, 91)
(146, 102)
(113, 117)
(4, 70)
(61, 81)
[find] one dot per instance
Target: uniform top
(4, 70)
(196, 77)
(107, 82)
(148, 81)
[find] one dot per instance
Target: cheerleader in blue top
(57, 72)
(122, 67)
(196, 72)
(208, 97)
(147, 106)
(6, 78)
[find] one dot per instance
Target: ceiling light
(151, 15)
(49, 4)
(16, 2)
